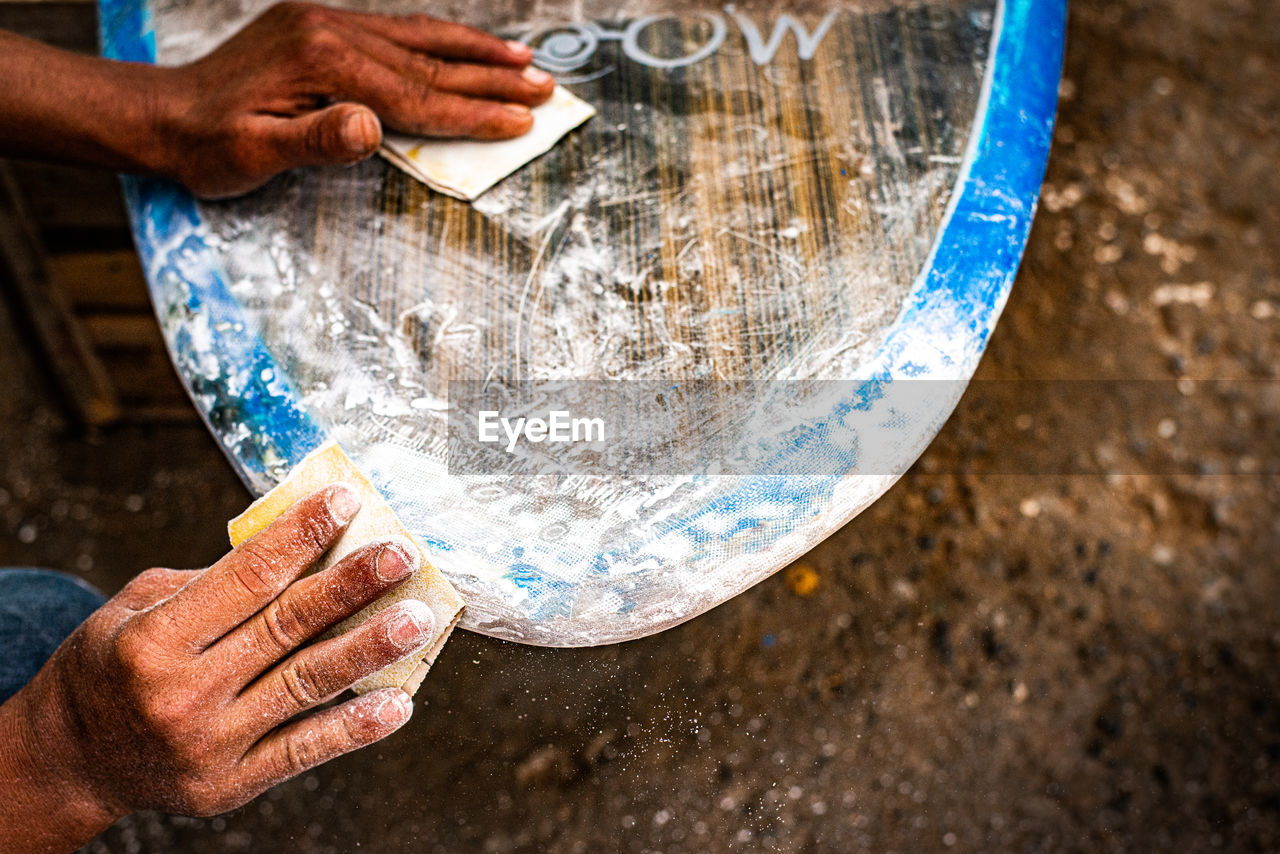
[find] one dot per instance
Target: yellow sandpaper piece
(376, 520)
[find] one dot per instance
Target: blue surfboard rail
(957, 296)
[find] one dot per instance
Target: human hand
(183, 692)
(306, 85)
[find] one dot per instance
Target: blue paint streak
(250, 391)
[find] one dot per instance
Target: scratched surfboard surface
(769, 193)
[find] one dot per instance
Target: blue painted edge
(162, 213)
(982, 240)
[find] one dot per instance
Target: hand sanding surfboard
(828, 200)
(374, 521)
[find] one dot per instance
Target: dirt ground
(996, 657)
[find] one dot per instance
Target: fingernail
(343, 504)
(519, 48)
(412, 626)
(536, 76)
(395, 709)
(519, 109)
(398, 559)
(360, 131)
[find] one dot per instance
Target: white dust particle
(1198, 294)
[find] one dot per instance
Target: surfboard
(825, 201)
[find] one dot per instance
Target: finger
(152, 586)
(320, 672)
(292, 749)
(413, 106)
(242, 583)
(310, 606)
(337, 135)
(445, 39)
(530, 86)
(449, 115)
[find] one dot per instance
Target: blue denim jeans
(38, 609)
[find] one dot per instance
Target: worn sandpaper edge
(410, 168)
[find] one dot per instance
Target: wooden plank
(144, 378)
(66, 198)
(133, 332)
(70, 25)
(44, 315)
(102, 281)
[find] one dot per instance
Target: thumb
(342, 133)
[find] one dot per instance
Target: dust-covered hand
(191, 691)
(304, 85)
(301, 85)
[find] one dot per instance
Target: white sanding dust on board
(755, 200)
(465, 168)
(376, 520)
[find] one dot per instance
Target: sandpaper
(465, 168)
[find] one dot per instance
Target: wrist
(95, 112)
(147, 138)
(51, 801)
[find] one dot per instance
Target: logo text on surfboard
(571, 46)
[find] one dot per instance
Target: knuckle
(428, 72)
(149, 577)
(255, 568)
(140, 592)
(317, 138)
(168, 716)
(498, 127)
(282, 626)
(356, 730)
(303, 750)
(302, 684)
(318, 528)
(351, 593)
(134, 650)
(318, 42)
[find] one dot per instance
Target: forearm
(45, 805)
(57, 105)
